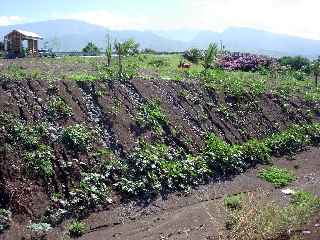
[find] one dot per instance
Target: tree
(210, 56)
(132, 47)
(193, 55)
(109, 50)
(91, 49)
(315, 68)
(129, 47)
(297, 63)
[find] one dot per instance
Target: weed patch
(279, 177)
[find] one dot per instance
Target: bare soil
(192, 112)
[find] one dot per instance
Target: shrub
(77, 228)
(94, 185)
(77, 137)
(151, 115)
(244, 62)
(59, 109)
(290, 141)
(277, 176)
(193, 55)
(5, 219)
(210, 56)
(40, 161)
(233, 201)
(297, 63)
(91, 49)
(29, 135)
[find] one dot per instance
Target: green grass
(279, 177)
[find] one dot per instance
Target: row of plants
(156, 168)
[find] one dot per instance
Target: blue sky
(293, 17)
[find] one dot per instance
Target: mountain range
(73, 35)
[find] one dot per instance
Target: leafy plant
(233, 201)
(210, 56)
(40, 161)
(151, 115)
(277, 176)
(77, 137)
(77, 228)
(94, 185)
(29, 135)
(58, 108)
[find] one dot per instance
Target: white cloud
(293, 17)
(111, 20)
(9, 20)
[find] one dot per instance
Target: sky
(292, 17)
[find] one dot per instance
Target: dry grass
(262, 219)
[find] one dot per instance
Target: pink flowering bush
(244, 62)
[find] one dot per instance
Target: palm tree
(210, 56)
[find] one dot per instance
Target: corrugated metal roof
(29, 34)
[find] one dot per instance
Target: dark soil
(192, 112)
(200, 214)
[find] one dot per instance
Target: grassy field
(165, 67)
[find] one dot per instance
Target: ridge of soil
(192, 111)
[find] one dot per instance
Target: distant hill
(73, 35)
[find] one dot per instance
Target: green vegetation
(151, 115)
(77, 137)
(233, 202)
(258, 219)
(91, 49)
(109, 50)
(77, 228)
(83, 77)
(193, 55)
(40, 161)
(297, 63)
(29, 135)
(94, 186)
(210, 56)
(155, 168)
(58, 108)
(5, 219)
(279, 177)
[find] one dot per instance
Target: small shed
(13, 43)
